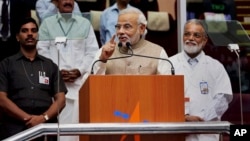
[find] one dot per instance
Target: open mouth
(123, 39)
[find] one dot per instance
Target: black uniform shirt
(19, 77)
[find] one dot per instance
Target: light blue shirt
(45, 8)
(79, 50)
(108, 21)
(76, 27)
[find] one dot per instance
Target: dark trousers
(10, 126)
(8, 129)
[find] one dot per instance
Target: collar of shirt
(114, 7)
(193, 60)
(60, 17)
(21, 56)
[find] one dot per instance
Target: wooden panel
(132, 98)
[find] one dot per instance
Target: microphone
(119, 44)
(128, 45)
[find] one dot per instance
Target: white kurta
(77, 53)
(209, 105)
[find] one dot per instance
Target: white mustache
(193, 42)
(122, 36)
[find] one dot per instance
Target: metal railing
(122, 128)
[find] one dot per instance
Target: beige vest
(136, 65)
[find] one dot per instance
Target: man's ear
(142, 28)
(17, 37)
(205, 41)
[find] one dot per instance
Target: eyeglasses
(125, 27)
(195, 35)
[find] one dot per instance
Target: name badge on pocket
(204, 87)
(43, 79)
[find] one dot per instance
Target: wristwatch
(46, 117)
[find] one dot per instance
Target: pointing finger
(112, 40)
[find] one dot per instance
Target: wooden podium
(132, 98)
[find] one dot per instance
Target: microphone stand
(129, 47)
(59, 42)
(172, 68)
(92, 68)
(235, 48)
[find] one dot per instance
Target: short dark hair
(25, 21)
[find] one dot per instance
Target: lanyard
(27, 76)
(65, 34)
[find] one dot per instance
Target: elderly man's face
(128, 29)
(194, 39)
(66, 6)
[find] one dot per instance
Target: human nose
(189, 36)
(29, 32)
(120, 30)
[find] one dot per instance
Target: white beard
(192, 49)
(134, 39)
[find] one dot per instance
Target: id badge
(204, 87)
(43, 79)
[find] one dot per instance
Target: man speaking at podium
(130, 29)
(206, 81)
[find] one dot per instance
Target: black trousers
(12, 127)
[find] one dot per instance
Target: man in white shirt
(74, 57)
(207, 85)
